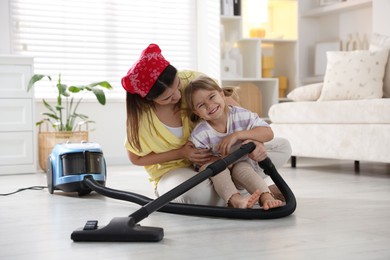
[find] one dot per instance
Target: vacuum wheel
(49, 175)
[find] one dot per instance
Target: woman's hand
(259, 153)
(195, 155)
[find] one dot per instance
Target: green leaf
(80, 116)
(58, 125)
(85, 122)
(75, 89)
(54, 116)
(103, 84)
(101, 97)
(68, 127)
(35, 78)
(43, 121)
(48, 106)
(62, 89)
(39, 123)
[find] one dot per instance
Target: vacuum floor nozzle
(121, 229)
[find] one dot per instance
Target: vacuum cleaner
(127, 229)
(69, 163)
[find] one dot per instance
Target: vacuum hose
(163, 203)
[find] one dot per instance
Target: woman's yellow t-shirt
(155, 137)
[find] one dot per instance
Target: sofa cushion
(369, 111)
(354, 75)
(379, 42)
(309, 92)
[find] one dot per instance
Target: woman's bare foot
(238, 201)
(267, 201)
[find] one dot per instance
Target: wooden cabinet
(17, 130)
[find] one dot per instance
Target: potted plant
(64, 118)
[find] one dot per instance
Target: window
(93, 40)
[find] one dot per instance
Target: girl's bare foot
(276, 192)
(267, 201)
(238, 201)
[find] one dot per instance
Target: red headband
(144, 73)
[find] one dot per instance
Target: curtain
(93, 40)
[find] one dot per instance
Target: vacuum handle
(211, 170)
(222, 163)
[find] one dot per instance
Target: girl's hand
(259, 153)
(195, 155)
(226, 143)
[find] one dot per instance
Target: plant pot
(47, 141)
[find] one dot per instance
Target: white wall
(208, 36)
(381, 19)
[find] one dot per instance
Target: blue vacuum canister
(69, 163)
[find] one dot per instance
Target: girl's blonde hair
(205, 83)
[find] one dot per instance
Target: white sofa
(345, 117)
(356, 130)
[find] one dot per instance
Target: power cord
(23, 189)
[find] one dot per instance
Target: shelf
(269, 40)
(337, 8)
(228, 17)
(277, 40)
(249, 40)
(250, 79)
(265, 90)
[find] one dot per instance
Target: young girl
(222, 129)
(158, 129)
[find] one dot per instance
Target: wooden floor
(340, 215)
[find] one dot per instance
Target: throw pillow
(354, 75)
(380, 42)
(306, 93)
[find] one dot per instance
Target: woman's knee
(279, 144)
(202, 193)
(279, 151)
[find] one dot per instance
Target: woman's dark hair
(136, 105)
(164, 81)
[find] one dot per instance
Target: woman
(158, 129)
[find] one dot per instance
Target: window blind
(93, 40)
